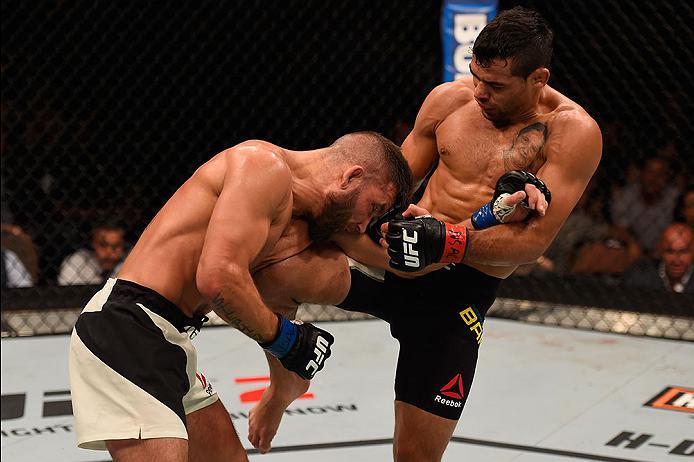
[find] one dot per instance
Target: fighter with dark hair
(485, 143)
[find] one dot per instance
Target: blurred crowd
(54, 230)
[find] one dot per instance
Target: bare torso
(473, 154)
(166, 256)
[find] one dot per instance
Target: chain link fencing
(107, 107)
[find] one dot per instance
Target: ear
(352, 173)
(539, 77)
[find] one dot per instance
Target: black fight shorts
(437, 319)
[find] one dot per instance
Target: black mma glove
(415, 243)
(374, 228)
(300, 347)
(495, 212)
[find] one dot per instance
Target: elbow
(530, 257)
(537, 244)
(212, 280)
(532, 253)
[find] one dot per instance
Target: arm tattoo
(222, 309)
(526, 148)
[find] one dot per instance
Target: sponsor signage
(673, 399)
(635, 440)
(461, 22)
(57, 404)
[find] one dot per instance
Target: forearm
(361, 248)
(238, 302)
(505, 245)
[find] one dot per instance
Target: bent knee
(328, 270)
(319, 274)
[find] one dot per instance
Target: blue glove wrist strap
(286, 338)
(484, 217)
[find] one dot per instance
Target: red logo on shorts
(202, 379)
(454, 388)
(205, 384)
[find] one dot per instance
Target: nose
(481, 92)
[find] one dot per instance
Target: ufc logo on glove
(300, 347)
(410, 254)
(321, 349)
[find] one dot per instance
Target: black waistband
(467, 276)
(156, 303)
(447, 288)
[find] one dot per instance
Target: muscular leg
(212, 437)
(419, 435)
(155, 450)
(319, 275)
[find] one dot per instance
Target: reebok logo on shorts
(453, 389)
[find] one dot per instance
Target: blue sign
(461, 22)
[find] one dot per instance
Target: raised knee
(317, 275)
(343, 282)
(332, 281)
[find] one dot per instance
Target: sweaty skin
(477, 128)
(226, 221)
(169, 256)
(241, 211)
(558, 141)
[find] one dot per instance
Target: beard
(334, 217)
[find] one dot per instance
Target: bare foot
(265, 417)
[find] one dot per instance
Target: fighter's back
(167, 253)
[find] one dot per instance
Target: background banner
(461, 22)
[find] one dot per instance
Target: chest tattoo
(526, 148)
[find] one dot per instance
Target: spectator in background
(608, 256)
(13, 271)
(684, 209)
(100, 262)
(588, 243)
(673, 268)
(645, 208)
(586, 222)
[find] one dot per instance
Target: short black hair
(521, 34)
(108, 224)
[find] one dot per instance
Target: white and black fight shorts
(133, 368)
